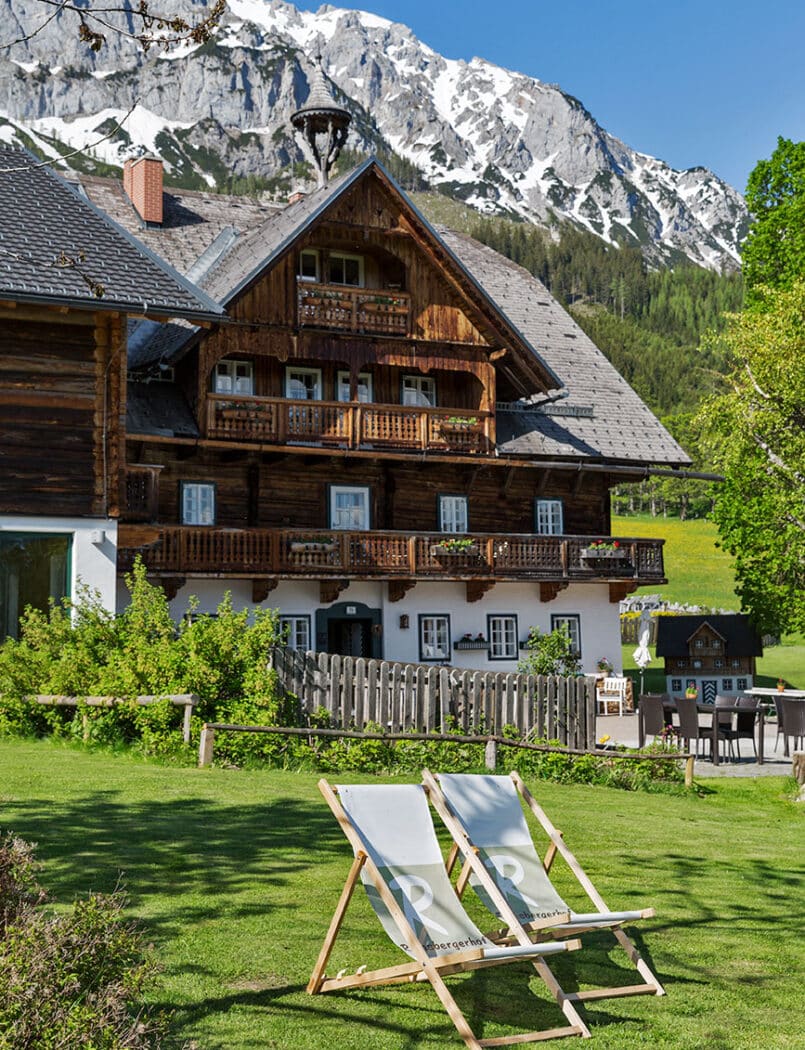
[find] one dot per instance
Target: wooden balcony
(352, 425)
(373, 311)
(293, 553)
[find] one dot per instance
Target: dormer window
(233, 377)
(345, 269)
(309, 265)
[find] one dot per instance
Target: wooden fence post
(206, 744)
(491, 755)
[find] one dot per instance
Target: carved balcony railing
(374, 311)
(349, 424)
(382, 555)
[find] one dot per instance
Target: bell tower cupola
(321, 125)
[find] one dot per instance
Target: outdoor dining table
(767, 694)
(669, 707)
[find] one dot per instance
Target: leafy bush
(70, 979)
(550, 653)
(80, 649)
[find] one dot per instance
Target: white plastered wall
(599, 618)
(93, 553)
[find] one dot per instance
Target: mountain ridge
(501, 141)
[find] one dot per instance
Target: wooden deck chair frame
(603, 918)
(425, 967)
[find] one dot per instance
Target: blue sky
(710, 82)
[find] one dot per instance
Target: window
(741, 684)
(364, 387)
(699, 643)
(233, 377)
(346, 269)
(434, 637)
(548, 517)
(502, 637)
(716, 644)
(349, 507)
(718, 664)
(726, 685)
(676, 685)
(34, 569)
(296, 631)
(419, 390)
(198, 503)
(303, 384)
(454, 514)
(572, 622)
(309, 265)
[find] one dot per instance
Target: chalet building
(716, 654)
(69, 279)
(396, 436)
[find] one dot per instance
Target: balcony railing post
(490, 552)
(356, 435)
(424, 427)
(412, 554)
(344, 546)
(563, 556)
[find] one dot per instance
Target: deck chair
(485, 818)
(399, 861)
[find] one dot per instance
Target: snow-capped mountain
(501, 141)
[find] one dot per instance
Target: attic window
(346, 269)
(309, 265)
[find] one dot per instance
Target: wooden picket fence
(355, 692)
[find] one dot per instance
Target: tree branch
(776, 461)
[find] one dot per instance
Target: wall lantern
(404, 623)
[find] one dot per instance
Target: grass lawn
(700, 573)
(236, 874)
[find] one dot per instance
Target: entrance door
(349, 637)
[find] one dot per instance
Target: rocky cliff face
(501, 141)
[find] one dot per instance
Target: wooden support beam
(329, 590)
(399, 588)
(171, 585)
(618, 590)
(550, 588)
(261, 588)
(542, 483)
(476, 589)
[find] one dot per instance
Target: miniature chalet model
(68, 280)
(396, 436)
(713, 654)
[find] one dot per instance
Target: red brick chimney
(142, 183)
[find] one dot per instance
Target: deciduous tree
(756, 432)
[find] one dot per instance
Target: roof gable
(394, 215)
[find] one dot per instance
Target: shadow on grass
(207, 849)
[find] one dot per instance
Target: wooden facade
(63, 399)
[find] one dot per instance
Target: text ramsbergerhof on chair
(485, 818)
(398, 859)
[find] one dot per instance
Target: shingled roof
(56, 247)
(600, 417)
(740, 637)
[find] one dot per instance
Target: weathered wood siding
(292, 490)
(356, 692)
(61, 450)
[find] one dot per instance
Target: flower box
(471, 644)
(603, 553)
(438, 551)
(309, 546)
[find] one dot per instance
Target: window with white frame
(453, 514)
(434, 637)
(548, 517)
(572, 624)
(303, 384)
(364, 390)
(309, 264)
(198, 503)
(419, 390)
(346, 269)
(503, 641)
(349, 507)
(296, 632)
(234, 377)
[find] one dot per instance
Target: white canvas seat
(398, 860)
(486, 820)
